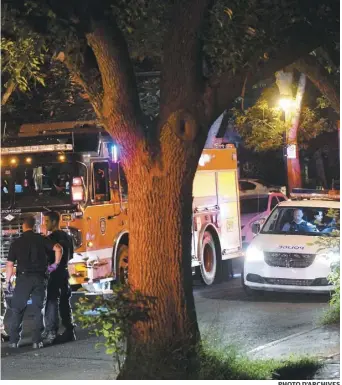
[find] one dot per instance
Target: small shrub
(332, 316)
(330, 243)
(112, 317)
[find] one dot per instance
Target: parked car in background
(254, 209)
(258, 186)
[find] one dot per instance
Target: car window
(247, 186)
(253, 205)
(303, 221)
(274, 202)
(101, 190)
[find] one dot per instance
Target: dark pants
(27, 286)
(58, 300)
(6, 313)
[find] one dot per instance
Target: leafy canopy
(237, 34)
(262, 125)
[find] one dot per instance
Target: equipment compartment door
(229, 210)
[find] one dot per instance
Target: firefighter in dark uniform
(59, 291)
(30, 253)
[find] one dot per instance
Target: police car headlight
(75, 234)
(254, 254)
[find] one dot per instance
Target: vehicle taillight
(77, 190)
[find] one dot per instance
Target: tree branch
(8, 92)
(227, 87)
(183, 50)
(120, 97)
(320, 77)
(78, 77)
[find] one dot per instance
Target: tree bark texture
(293, 165)
(320, 77)
(284, 81)
(160, 219)
(160, 161)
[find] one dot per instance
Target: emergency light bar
(38, 148)
(298, 193)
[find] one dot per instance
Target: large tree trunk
(160, 162)
(292, 118)
(293, 165)
(160, 220)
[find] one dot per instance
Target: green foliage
(143, 24)
(22, 60)
(262, 125)
(22, 53)
(227, 364)
(236, 34)
(332, 316)
(112, 318)
(331, 243)
(212, 363)
(239, 32)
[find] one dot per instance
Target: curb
(262, 347)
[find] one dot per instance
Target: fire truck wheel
(210, 266)
(122, 264)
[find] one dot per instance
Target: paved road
(225, 315)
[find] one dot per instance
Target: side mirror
(256, 228)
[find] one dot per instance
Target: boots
(50, 337)
(67, 336)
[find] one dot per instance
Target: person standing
(29, 252)
(59, 291)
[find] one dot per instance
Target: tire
(211, 260)
(227, 270)
(122, 264)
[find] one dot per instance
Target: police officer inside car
(298, 224)
(29, 252)
(59, 291)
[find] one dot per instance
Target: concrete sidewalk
(321, 342)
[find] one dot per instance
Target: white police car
(297, 247)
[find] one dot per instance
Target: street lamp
(286, 104)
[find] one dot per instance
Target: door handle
(110, 217)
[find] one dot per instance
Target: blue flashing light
(114, 153)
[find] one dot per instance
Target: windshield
(40, 184)
(302, 221)
(253, 205)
